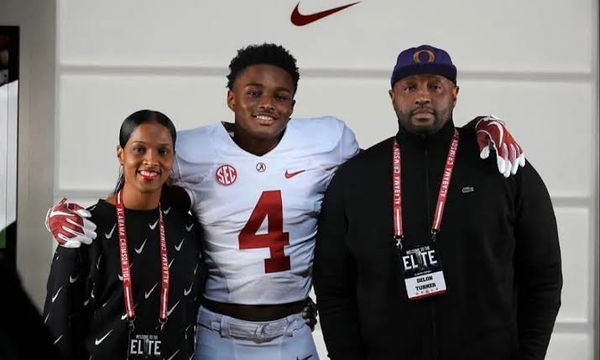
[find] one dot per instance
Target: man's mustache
(422, 109)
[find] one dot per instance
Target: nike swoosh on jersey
(147, 293)
(299, 19)
(289, 175)
(56, 294)
(46, 318)
(99, 341)
(172, 308)
(108, 235)
(188, 228)
(187, 291)
(141, 248)
(178, 247)
(171, 262)
(73, 279)
(166, 211)
(153, 226)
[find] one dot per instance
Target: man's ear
(455, 94)
(231, 100)
(391, 92)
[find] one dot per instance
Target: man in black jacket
(424, 251)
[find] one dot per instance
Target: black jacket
(498, 246)
(84, 308)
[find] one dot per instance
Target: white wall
(533, 63)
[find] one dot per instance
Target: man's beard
(405, 122)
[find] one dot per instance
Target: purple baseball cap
(424, 59)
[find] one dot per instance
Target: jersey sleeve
(348, 146)
(193, 157)
(328, 139)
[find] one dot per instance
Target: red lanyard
(443, 193)
(127, 286)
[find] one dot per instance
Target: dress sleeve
(64, 312)
(537, 266)
(335, 279)
(177, 196)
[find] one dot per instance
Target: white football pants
(220, 337)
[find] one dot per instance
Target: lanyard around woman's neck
(124, 257)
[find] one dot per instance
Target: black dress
(84, 307)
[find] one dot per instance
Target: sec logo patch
(226, 175)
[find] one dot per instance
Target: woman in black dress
(161, 276)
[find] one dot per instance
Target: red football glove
(68, 224)
(492, 133)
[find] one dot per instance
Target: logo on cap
(417, 56)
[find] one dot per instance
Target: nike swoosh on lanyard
(299, 19)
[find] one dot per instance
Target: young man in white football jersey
(256, 187)
(257, 193)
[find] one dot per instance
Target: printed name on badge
(423, 274)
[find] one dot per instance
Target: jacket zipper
(434, 347)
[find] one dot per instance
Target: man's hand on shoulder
(492, 134)
(68, 224)
(309, 313)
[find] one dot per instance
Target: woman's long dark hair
(131, 123)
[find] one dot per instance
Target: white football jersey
(259, 213)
